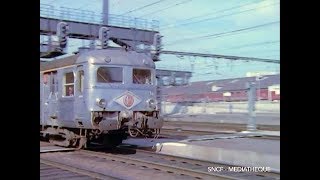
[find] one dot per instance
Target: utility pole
(159, 95)
(251, 126)
(105, 12)
(258, 77)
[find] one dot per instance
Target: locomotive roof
(67, 61)
(118, 57)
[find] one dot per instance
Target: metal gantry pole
(251, 126)
(105, 12)
(159, 94)
(259, 89)
(42, 105)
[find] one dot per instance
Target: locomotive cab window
(68, 84)
(109, 75)
(141, 76)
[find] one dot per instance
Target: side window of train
(68, 84)
(80, 81)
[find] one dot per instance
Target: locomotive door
(49, 98)
(79, 103)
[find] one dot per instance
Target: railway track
(127, 163)
(132, 163)
(217, 126)
(202, 166)
(182, 134)
(185, 133)
(150, 162)
(53, 170)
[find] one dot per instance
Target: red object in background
(275, 96)
(218, 96)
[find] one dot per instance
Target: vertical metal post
(159, 93)
(92, 44)
(42, 102)
(259, 89)
(251, 126)
(259, 86)
(50, 47)
(92, 39)
(105, 12)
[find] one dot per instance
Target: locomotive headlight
(101, 102)
(152, 103)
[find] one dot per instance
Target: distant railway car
(275, 96)
(240, 95)
(262, 94)
(98, 96)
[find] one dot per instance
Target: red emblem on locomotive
(128, 100)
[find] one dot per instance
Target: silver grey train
(99, 96)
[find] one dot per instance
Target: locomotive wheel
(152, 132)
(133, 131)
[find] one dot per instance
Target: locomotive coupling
(126, 114)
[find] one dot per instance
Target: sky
(249, 28)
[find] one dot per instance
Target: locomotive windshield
(141, 76)
(109, 75)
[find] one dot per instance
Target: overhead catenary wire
(248, 45)
(217, 17)
(265, 43)
(145, 6)
(211, 13)
(223, 33)
(166, 8)
(163, 8)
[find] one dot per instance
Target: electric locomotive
(99, 96)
